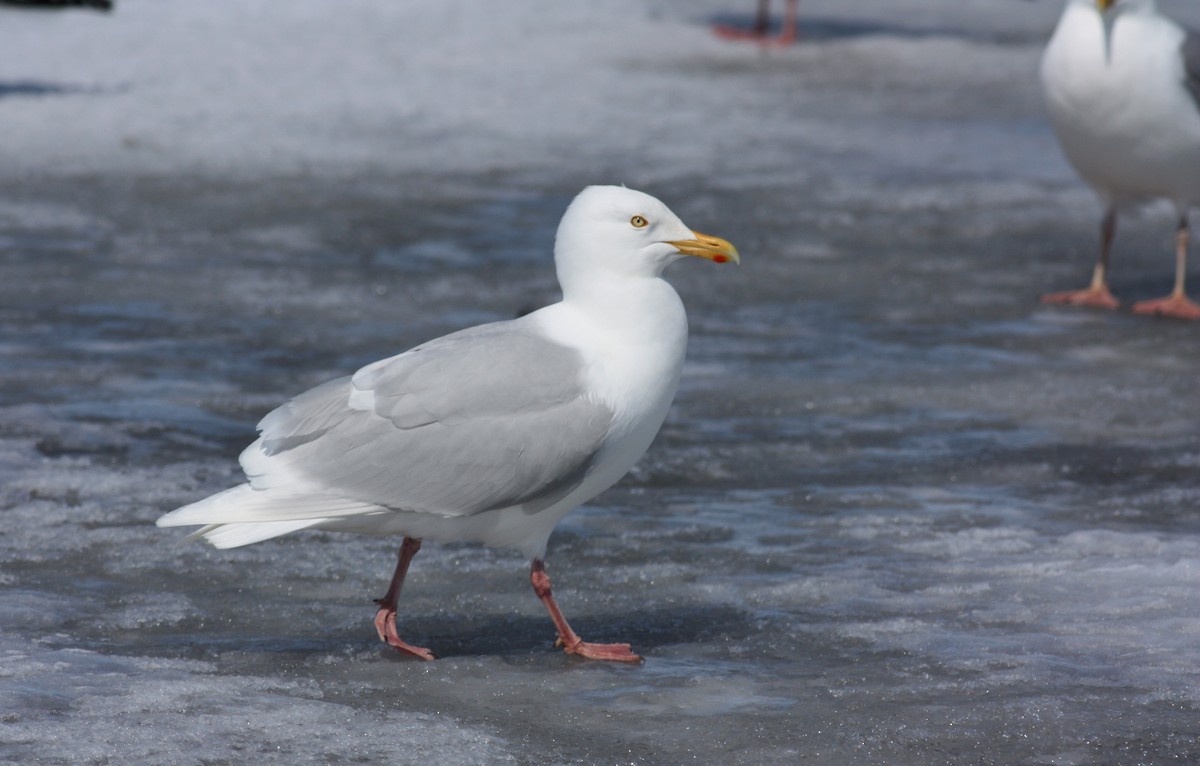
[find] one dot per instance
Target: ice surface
(900, 513)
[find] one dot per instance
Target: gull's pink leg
(1096, 295)
(788, 35)
(1176, 305)
(385, 618)
(762, 20)
(567, 639)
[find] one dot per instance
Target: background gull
(491, 434)
(1122, 86)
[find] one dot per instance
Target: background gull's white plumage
(494, 433)
(1122, 88)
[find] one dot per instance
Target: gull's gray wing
(1190, 51)
(486, 418)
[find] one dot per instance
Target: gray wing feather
(306, 417)
(1190, 50)
(486, 418)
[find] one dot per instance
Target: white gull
(1122, 88)
(494, 433)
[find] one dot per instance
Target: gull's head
(617, 231)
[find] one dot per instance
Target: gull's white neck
(632, 309)
(632, 332)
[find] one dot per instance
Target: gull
(494, 433)
(1122, 88)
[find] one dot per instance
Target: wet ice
(900, 513)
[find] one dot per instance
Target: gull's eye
(638, 222)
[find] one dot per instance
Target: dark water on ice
(900, 514)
